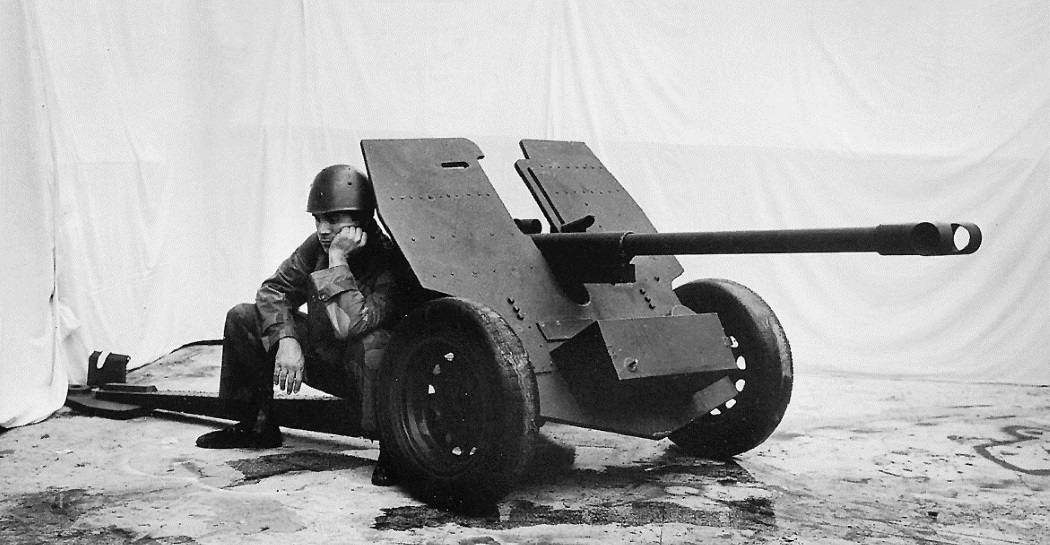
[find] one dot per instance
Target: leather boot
(384, 474)
(242, 435)
(256, 432)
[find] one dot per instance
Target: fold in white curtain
(156, 156)
(34, 380)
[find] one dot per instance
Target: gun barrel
(925, 238)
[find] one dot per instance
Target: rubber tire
(768, 375)
(505, 405)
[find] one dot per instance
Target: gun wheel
(458, 404)
(763, 376)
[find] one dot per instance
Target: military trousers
(346, 369)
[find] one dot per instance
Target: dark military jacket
(373, 292)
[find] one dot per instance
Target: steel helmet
(338, 188)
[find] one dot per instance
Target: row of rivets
(648, 299)
(516, 309)
(446, 196)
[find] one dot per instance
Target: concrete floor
(856, 460)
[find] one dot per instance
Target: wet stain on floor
(752, 514)
(261, 467)
(689, 491)
(52, 517)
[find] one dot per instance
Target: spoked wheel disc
(763, 377)
(457, 404)
(443, 397)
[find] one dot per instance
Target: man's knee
(241, 317)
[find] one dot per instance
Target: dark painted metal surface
(922, 238)
(629, 349)
(570, 183)
(652, 416)
(440, 208)
(571, 186)
(645, 371)
(83, 400)
(112, 368)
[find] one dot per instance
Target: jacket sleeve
(352, 313)
(284, 292)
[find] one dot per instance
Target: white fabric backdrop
(155, 156)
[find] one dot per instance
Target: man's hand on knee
(288, 368)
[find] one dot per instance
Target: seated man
(356, 286)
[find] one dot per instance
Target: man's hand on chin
(349, 241)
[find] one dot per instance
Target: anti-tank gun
(578, 325)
